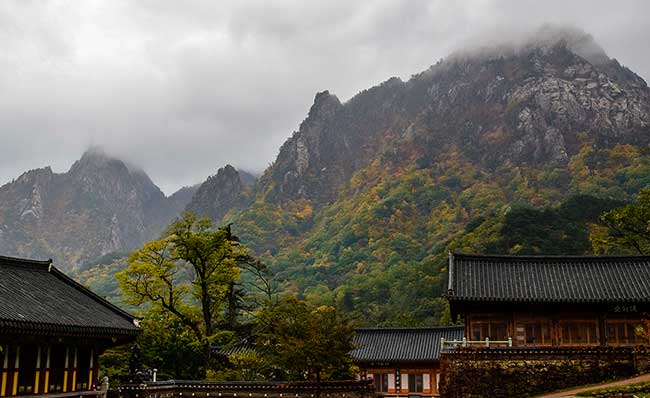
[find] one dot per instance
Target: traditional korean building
(402, 361)
(550, 301)
(52, 330)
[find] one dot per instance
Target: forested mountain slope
(365, 199)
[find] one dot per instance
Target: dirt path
(571, 393)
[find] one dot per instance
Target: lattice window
(622, 332)
(492, 329)
(579, 332)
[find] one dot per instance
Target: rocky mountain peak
(227, 172)
(324, 104)
(219, 194)
(35, 175)
(111, 178)
(574, 39)
(528, 100)
(94, 157)
(543, 40)
(99, 206)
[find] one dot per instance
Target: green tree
(625, 229)
(170, 347)
(165, 344)
(306, 343)
(191, 274)
(247, 365)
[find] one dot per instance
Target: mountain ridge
(366, 196)
(99, 206)
(546, 74)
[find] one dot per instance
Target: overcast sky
(183, 87)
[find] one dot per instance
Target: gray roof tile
(37, 298)
(402, 344)
(549, 278)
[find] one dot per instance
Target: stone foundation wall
(506, 373)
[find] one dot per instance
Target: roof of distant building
(588, 279)
(402, 344)
(243, 346)
(36, 298)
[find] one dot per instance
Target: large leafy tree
(305, 342)
(165, 344)
(192, 274)
(625, 229)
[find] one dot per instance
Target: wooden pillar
(437, 381)
(91, 370)
(37, 371)
(65, 369)
(5, 370)
(14, 384)
(602, 329)
(74, 370)
(46, 382)
(513, 328)
(398, 381)
(96, 362)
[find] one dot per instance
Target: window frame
(567, 339)
(413, 385)
(630, 326)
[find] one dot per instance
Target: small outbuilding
(402, 361)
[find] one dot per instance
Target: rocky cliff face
(529, 103)
(100, 206)
(228, 189)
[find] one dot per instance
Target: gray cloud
(181, 88)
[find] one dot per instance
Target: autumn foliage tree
(625, 229)
(192, 275)
(305, 342)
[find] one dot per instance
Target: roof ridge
(24, 261)
(550, 256)
(414, 328)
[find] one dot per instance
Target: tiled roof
(615, 279)
(243, 346)
(402, 344)
(36, 298)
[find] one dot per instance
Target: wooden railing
(253, 389)
(453, 344)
